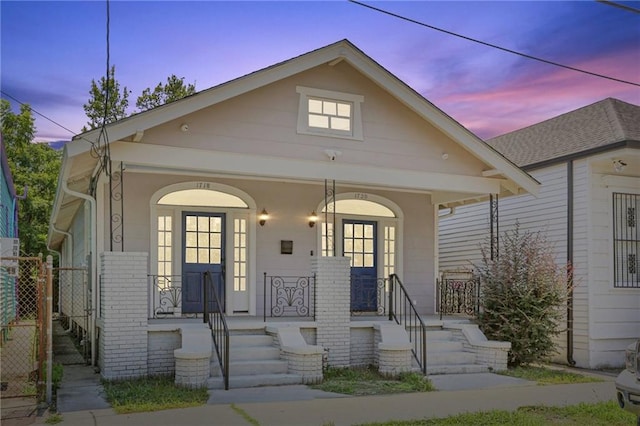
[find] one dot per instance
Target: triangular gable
(342, 50)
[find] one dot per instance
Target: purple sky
(51, 50)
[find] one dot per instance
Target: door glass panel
(203, 239)
(191, 255)
(191, 224)
(192, 240)
(368, 260)
(203, 224)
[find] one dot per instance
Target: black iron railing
(289, 296)
(368, 295)
(166, 295)
(459, 293)
(403, 311)
(214, 315)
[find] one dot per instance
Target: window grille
(626, 240)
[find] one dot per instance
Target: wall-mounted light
(264, 216)
(184, 127)
(313, 219)
(619, 165)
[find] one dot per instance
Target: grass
(598, 414)
(367, 381)
(151, 394)
(548, 376)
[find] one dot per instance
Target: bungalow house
(588, 162)
(296, 191)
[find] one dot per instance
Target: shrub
(523, 291)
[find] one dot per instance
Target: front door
(203, 250)
(359, 243)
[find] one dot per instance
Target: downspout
(70, 249)
(570, 359)
(93, 276)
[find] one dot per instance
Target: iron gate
(73, 293)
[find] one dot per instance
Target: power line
(619, 5)
(40, 114)
(504, 49)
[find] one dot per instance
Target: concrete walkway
(81, 403)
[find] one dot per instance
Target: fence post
(49, 325)
(205, 298)
(391, 285)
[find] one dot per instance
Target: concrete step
(444, 346)
(250, 340)
(455, 369)
(439, 335)
(238, 382)
(450, 358)
(253, 353)
(246, 368)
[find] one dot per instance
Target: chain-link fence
(71, 292)
(23, 336)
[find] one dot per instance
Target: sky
(51, 50)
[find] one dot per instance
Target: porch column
(123, 320)
(333, 307)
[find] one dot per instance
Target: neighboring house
(9, 246)
(588, 162)
(229, 181)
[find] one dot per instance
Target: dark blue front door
(359, 243)
(203, 250)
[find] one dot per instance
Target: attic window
(328, 113)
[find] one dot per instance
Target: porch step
(436, 346)
(238, 382)
(455, 369)
(253, 361)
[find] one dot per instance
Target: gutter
(93, 251)
(570, 359)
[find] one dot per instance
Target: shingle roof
(594, 126)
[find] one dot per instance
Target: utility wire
(39, 113)
(504, 49)
(619, 5)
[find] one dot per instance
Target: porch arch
(388, 216)
(168, 207)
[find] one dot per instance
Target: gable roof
(609, 123)
(333, 53)
(501, 175)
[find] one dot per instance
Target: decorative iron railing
(403, 311)
(289, 296)
(459, 293)
(166, 295)
(369, 295)
(214, 316)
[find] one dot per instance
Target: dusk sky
(52, 50)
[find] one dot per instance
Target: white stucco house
(325, 168)
(588, 162)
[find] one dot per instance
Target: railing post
(264, 299)
(205, 299)
(391, 285)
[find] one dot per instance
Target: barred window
(626, 240)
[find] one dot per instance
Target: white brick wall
(160, 358)
(362, 346)
(333, 311)
(123, 309)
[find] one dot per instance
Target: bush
(523, 292)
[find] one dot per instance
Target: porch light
(264, 216)
(313, 219)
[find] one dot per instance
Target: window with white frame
(240, 255)
(164, 248)
(329, 113)
(626, 240)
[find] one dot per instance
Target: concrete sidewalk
(300, 405)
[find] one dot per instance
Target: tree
(523, 291)
(172, 90)
(95, 107)
(36, 166)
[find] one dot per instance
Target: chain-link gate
(23, 334)
(72, 296)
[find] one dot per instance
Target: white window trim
(303, 113)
